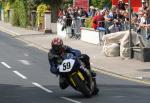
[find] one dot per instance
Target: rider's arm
(53, 65)
(75, 52)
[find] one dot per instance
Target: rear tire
(96, 90)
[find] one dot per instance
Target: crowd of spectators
(113, 20)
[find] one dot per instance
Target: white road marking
(25, 62)
(25, 54)
(91, 63)
(40, 86)
(19, 74)
(30, 45)
(71, 100)
(139, 77)
(119, 96)
(6, 65)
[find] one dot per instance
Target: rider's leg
(86, 60)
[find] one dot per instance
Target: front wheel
(85, 90)
(81, 84)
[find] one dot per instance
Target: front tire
(85, 90)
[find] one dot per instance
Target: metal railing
(74, 30)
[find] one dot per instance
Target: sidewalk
(128, 68)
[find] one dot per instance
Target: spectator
(125, 20)
(98, 20)
(145, 20)
(126, 16)
(91, 11)
(107, 16)
(68, 19)
(121, 5)
(144, 5)
(126, 7)
(134, 21)
(117, 19)
(69, 6)
(60, 13)
(148, 12)
(112, 11)
(141, 20)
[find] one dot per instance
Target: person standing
(121, 5)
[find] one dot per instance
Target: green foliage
(107, 3)
(96, 3)
(55, 5)
(100, 3)
(11, 1)
(66, 3)
(32, 4)
(19, 14)
(6, 8)
(88, 22)
(40, 13)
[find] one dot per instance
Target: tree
(31, 5)
(96, 3)
(107, 3)
(55, 5)
(66, 3)
(19, 14)
(100, 3)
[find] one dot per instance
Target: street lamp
(130, 34)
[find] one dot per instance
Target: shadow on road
(108, 93)
(21, 94)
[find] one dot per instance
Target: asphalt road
(25, 78)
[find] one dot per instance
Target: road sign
(81, 4)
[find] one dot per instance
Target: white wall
(60, 32)
(90, 36)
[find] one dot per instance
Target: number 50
(66, 65)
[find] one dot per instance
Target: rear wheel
(96, 90)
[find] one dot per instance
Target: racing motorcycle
(78, 76)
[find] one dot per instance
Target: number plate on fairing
(66, 65)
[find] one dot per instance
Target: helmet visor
(57, 48)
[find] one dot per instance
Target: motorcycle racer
(55, 54)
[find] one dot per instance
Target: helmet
(57, 45)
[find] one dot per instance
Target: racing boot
(88, 66)
(86, 61)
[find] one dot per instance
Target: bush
(41, 9)
(19, 14)
(88, 22)
(6, 8)
(100, 3)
